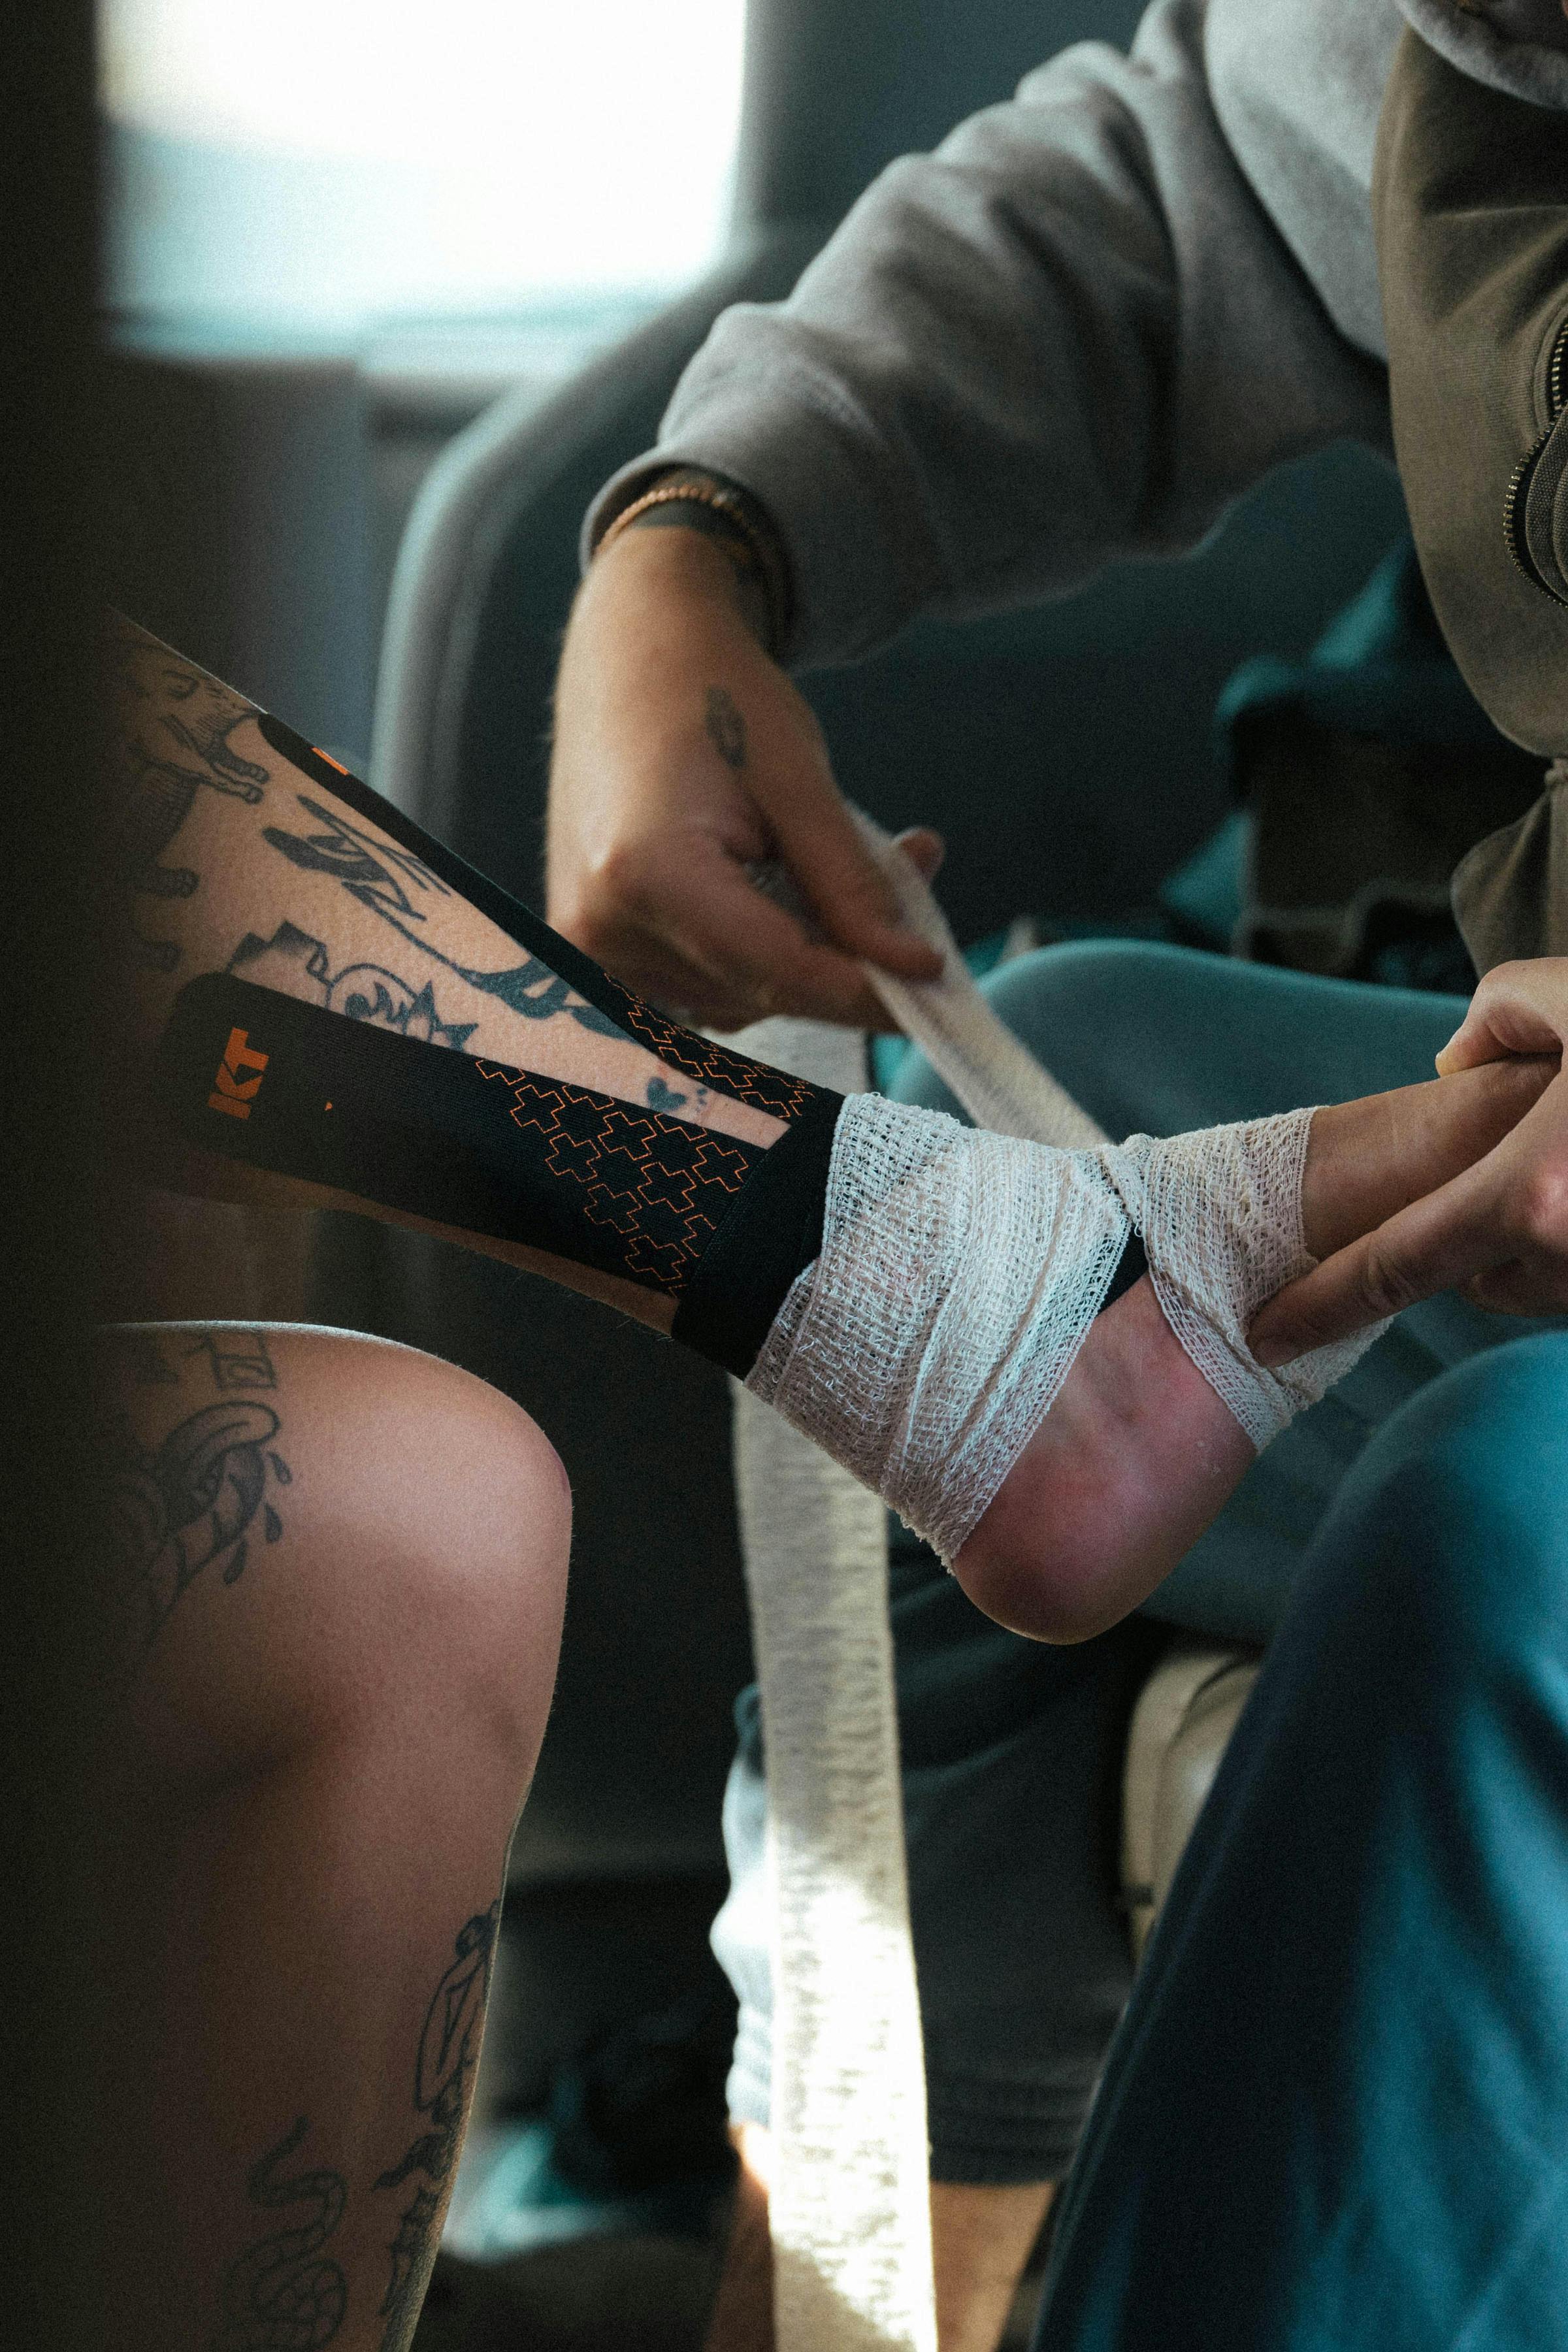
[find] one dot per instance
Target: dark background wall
(52, 1073)
(835, 91)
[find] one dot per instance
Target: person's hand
(1519, 1008)
(684, 755)
(1499, 1232)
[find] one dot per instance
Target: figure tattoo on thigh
(442, 2078)
(237, 1357)
(198, 1496)
(158, 788)
(282, 2294)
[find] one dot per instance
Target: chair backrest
(1066, 754)
(834, 92)
(1181, 1728)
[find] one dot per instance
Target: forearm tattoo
(283, 2294)
(199, 1497)
(726, 728)
(443, 2082)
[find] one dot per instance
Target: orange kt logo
(234, 1092)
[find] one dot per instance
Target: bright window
(313, 161)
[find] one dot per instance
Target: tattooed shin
(443, 2081)
(400, 888)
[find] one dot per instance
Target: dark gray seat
(1065, 752)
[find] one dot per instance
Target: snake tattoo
(277, 2297)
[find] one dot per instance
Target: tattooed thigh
(216, 1565)
(274, 1548)
(191, 1455)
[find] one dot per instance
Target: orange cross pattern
(660, 1185)
(715, 1066)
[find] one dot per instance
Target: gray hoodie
(1087, 322)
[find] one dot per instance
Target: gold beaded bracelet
(727, 503)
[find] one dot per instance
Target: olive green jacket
(1470, 206)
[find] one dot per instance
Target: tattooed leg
(923, 1302)
(442, 2092)
(620, 1144)
(335, 1570)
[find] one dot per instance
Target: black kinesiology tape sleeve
(720, 1226)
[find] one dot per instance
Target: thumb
(1437, 1242)
(851, 898)
(924, 849)
(1519, 1008)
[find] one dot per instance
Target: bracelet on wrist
(732, 505)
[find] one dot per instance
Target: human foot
(1133, 1460)
(1371, 1158)
(922, 1340)
(1136, 1453)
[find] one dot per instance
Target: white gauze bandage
(1219, 1214)
(961, 1271)
(958, 1274)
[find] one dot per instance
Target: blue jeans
(1160, 1039)
(1012, 1753)
(1335, 2115)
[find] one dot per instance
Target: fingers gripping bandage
(959, 1271)
(1219, 1214)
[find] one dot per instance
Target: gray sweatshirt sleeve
(1073, 334)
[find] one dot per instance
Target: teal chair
(1077, 705)
(1080, 734)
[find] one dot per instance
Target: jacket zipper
(1524, 473)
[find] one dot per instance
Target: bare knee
(333, 1540)
(456, 1520)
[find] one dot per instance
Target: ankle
(1133, 1460)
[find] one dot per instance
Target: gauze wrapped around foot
(960, 1272)
(1219, 1214)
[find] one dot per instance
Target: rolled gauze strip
(997, 1078)
(993, 1074)
(849, 2208)
(850, 2205)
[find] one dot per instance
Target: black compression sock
(720, 1226)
